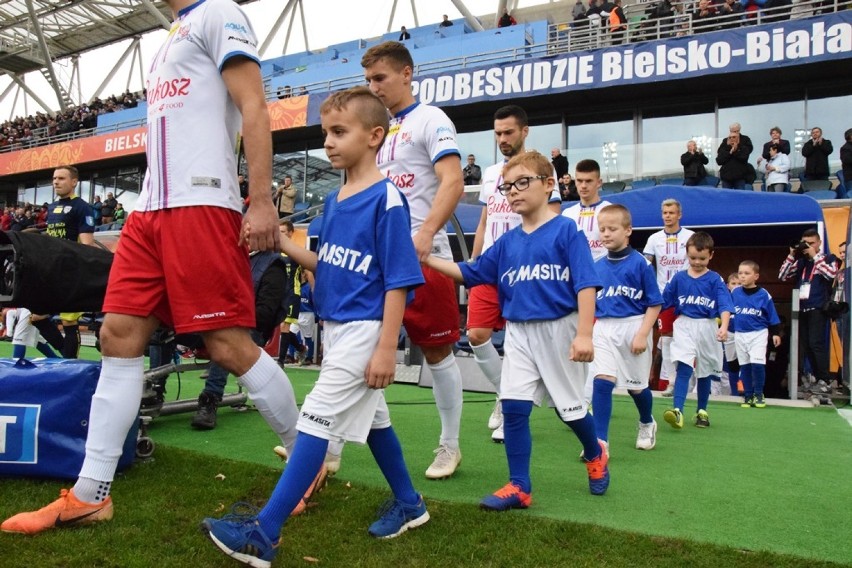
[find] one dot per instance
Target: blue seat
(842, 187)
(643, 183)
(611, 187)
(670, 181)
(822, 194)
(809, 185)
(710, 181)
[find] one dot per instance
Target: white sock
(668, 369)
(271, 392)
(115, 406)
(335, 448)
(489, 362)
(447, 389)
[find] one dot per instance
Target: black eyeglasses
(522, 183)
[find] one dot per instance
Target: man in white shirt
(587, 176)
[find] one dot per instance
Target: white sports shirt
(669, 251)
(193, 125)
(499, 217)
(586, 217)
(418, 137)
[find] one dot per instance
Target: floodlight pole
(165, 23)
(17, 79)
(114, 70)
(275, 27)
(45, 51)
(471, 20)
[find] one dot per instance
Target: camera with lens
(799, 248)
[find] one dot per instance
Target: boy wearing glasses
(546, 285)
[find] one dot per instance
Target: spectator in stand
(560, 162)
(403, 34)
(568, 188)
(846, 160)
(285, 92)
(816, 152)
(617, 22)
(97, 208)
(41, 217)
(777, 169)
(120, 213)
(20, 220)
(731, 11)
(6, 219)
(446, 22)
(506, 20)
(733, 156)
(471, 172)
(693, 162)
(579, 11)
(705, 11)
(285, 197)
(108, 208)
(243, 183)
(774, 138)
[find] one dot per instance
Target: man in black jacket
(471, 172)
(560, 162)
(693, 162)
(733, 156)
(816, 152)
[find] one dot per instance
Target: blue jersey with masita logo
(629, 286)
(698, 298)
(754, 311)
(538, 274)
(365, 249)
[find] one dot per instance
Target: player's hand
(260, 227)
(381, 369)
(722, 335)
(423, 245)
(776, 340)
(639, 344)
(582, 350)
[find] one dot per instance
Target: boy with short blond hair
(755, 320)
(546, 289)
(626, 310)
(698, 296)
(365, 270)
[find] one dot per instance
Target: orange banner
(283, 114)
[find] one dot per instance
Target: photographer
(814, 273)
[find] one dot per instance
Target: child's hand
(582, 350)
(639, 344)
(381, 369)
(776, 340)
(722, 335)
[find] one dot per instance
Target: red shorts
(483, 308)
(432, 319)
(665, 321)
(184, 267)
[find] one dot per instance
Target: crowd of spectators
(34, 130)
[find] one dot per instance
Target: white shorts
(694, 343)
(730, 347)
(536, 366)
(306, 324)
(614, 357)
(341, 406)
(751, 346)
(25, 333)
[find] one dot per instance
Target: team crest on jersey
(183, 33)
(66, 209)
(405, 140)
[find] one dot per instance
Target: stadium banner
(752, 48)
(283, 114)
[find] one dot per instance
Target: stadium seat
(643, 183)
(670, 181)
(710, 181)
(822, 194)
(842, 187)
(809, 185)
(613, 187)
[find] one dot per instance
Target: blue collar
(189, 8)
(404, 111)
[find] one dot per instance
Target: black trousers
(813, 338)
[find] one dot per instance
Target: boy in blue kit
(626, 310)
(698, 296)
(546, 286)
(755, 320)
(365, 270)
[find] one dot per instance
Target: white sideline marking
(845, 413)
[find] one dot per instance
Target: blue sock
(704, 391)
(602, 403)
(387, 452)
(758, 378)
(45, 350)
(310, 343)
(19, 351)
(684, 373)
(302, 468)
(644, 403)
(518, 441)
(733, 379)
(747, 377)
(584, 428)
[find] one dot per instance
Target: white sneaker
(447, 459)
(669, 392)
(497, 435)
(496, 419)
(647, 438)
